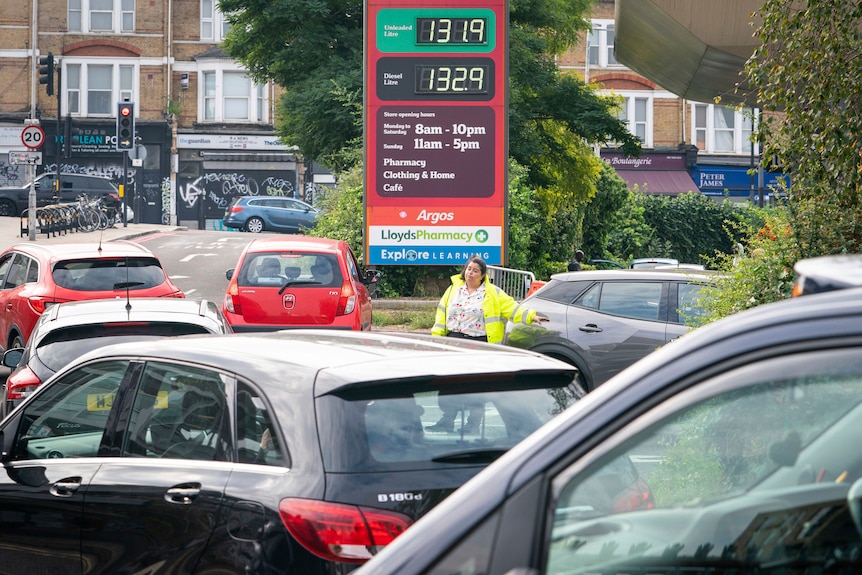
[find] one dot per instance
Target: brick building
(688, 145)
(205, 128)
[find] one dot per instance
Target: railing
(516, 283)
(57, 219)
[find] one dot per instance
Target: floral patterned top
(465, 313)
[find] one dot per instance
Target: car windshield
(100, 274)
(298, 269)
(394, 427)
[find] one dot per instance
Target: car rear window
(298, 269)
(63, 345)
(100, 274)
(396, 426)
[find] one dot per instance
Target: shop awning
(662, 182)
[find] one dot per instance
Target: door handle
(590, 328)
(66, 487)
(183, 494)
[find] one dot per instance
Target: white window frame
(80, 11)
(120, 69)
(706, 129)
(212, 18)
(258, 96)
(629, 105)
(597, 40)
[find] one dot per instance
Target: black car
(746, 430)
(602, 321)
(301, 451)
(13, 201)
(65, 331)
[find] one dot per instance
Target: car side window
(641, 300)
(32, 271)
(256, 435)
(179, 412)
(70, 418)
(753, 465)
(17, 272)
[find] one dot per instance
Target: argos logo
(434, 217)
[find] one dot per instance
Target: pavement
(10, 233)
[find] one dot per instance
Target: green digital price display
(451, 31)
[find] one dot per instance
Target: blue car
(270, 214)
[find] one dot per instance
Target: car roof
(629, 274)
(72, 250)
(827, 273)
(344, 358)
(287, 242)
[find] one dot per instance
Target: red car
(34, 276)
(298, 281)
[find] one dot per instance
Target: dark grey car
(13, 201)
(746, 430)
(603, 321)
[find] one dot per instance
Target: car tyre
(254, 225)
(8, 208)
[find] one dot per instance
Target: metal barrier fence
(56, 219)
(516, 283)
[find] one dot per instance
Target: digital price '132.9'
(451, 31)
(434, 79)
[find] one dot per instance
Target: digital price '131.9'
(451, 31)
(451, 79)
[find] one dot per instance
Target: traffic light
(46, 72)
(125, 126)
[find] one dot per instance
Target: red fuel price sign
(435, 131)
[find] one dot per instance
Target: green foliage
(603, 214)
(808, 68)
(763, 273)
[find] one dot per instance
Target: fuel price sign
(435, 131)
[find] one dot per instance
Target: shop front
(214, 169)
(737, 183)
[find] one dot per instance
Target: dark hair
(479, 262)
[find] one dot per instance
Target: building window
(636, 112)
(600, 44)
(214, 25)
(230, 95)
(93, 89)
(101, 16)
(721, 130)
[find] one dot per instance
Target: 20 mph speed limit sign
(33, 137)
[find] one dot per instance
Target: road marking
(190, 257)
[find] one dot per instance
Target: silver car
(605, 320)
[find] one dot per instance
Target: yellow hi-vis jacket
(498, 307)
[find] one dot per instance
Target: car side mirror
(229, 273)
(12, 357)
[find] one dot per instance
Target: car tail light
(637, 498)
(339, 532)
(38, 303)
(21, 384)
(231, 298)
(347, 301)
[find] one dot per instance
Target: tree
(808, 70)
(314, 49)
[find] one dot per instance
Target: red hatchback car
(33, 277)
(298, 281)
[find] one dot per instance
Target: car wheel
(17, 341)
(254, 225)
(8, 208)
